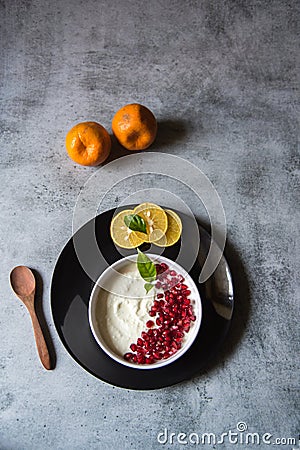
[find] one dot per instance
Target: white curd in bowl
(119, 310)
(122, 318)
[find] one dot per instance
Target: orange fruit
(88, 143)
(134, 126)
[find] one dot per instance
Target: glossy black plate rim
(181, 370)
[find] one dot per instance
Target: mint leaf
(146, 267)
(135, 223)
(148, 287)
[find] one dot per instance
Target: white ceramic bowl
(106, 278)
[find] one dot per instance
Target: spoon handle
(40, 340)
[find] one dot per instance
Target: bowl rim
(164, 362)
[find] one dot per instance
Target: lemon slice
(156, 221)
(122, 235)
(173, 232)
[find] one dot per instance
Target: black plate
(70, 292)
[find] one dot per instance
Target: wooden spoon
(23, 284)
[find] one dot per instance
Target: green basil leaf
(135, 223)
(146, 267)
(148, 287)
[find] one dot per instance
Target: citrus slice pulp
(173, 232)
(121, 235)
(155, 219)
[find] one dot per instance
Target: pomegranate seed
(174, 313)
(158, 285)
(164, 266)
(141, 359)
(150, 360)
(159, 268)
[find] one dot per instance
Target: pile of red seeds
(172, 313)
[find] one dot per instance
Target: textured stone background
(221, 77)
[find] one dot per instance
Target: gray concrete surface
(221, 77)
